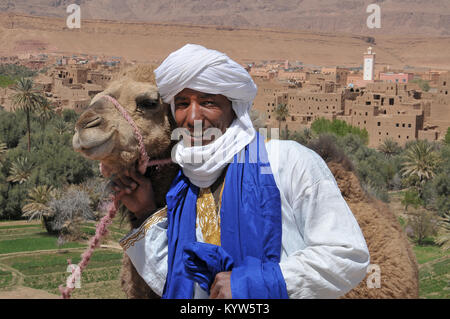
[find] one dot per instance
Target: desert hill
(152, 42)
(399, 17)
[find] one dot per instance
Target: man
(250, 219)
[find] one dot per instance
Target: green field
(31, 258)
(434, 272)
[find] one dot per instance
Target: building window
(399, 136)
(396, 124)
(378, 123)
(403, 125)
(409, 125)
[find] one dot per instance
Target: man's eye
(181, 105)
(208, 103)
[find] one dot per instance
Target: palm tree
(45, 112)
(389, 147)
(28, 99)
(444, 232)
(20, 171)
(281, 112)
(420, 162)
(37, 205)
(61, 126)
(3, 150)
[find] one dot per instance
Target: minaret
(369, 65)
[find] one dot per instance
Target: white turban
(209, 71)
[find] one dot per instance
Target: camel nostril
(93, 123)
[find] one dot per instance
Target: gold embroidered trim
(209, 220)
(132, 238)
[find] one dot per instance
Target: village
(387, 103)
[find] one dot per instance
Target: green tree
(423, 84)
(444, 231)
(423, 224)
(37, 205)
(420, 162)
(28, 99)
(389, 147)
(3, 150)
(303, 137)
(20, 170)
(338, 127)
(447, 137)
(12, 127)
(411, 198)
(281, 113)
(45, 112)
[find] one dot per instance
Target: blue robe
(250, 218)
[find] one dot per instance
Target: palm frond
(20, 171)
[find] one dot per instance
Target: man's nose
(194, 114)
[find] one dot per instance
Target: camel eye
(146, 103)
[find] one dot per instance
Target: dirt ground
(20, 292)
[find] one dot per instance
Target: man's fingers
(214, 291)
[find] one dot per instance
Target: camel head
(102, 133)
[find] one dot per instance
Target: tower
(369, 65)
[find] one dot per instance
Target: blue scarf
(250, 219)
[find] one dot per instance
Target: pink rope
(144, 159)
(112, 206)
(100, 232)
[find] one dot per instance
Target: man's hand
(135, 191)
(221, 287)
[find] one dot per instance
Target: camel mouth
(93, 143)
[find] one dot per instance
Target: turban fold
(212, 72)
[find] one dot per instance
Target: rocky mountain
(398, 17)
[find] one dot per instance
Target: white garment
(208, 71)
(323, 253)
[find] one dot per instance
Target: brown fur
(388, 245)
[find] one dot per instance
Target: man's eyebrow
(177, 98)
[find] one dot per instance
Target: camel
(390, 251)
(103, 134)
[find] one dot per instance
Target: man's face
(213, 110)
